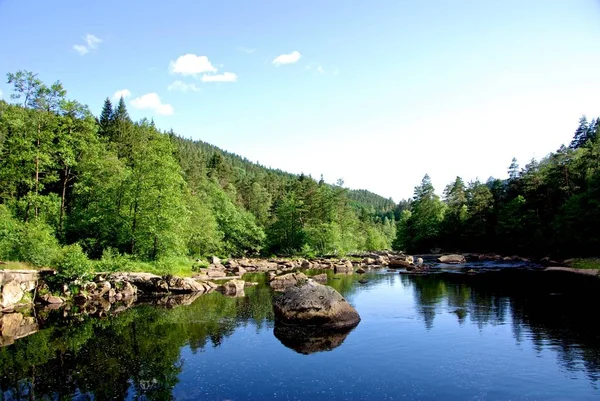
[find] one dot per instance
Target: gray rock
(344, 269)
(397, 263)
(239, 270)
(314, 304)
(280, 283)
(214, 273)
(232, 288)
(215, 260)
(183, 285)
(11, 294)
(453, 259)
(320, 278)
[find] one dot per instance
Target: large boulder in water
(451, 259)
(314, 304)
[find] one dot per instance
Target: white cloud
(320, 69)
(81, 49)
(190, 64)
(183, 87)
(224, 77)
(151, 101)
(92, 41)
(1, 94)
(289, 58)
(123, 93)
(247, 50)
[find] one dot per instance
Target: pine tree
(106, 118)
(582, 133)
(120, 112)
(513, 170)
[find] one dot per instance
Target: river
(511, 334)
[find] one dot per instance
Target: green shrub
(73, 263)
(37, 244)
(113, 261)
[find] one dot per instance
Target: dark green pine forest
(75, 186)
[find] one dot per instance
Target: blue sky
(377, 93)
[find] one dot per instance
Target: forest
(75, 187)
(549, 207)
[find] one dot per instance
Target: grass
(176, 266)
(589, 263)
(16, 266)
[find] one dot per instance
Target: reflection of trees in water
(138, 350)
(556, 311)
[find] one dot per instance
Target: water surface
(518, 335)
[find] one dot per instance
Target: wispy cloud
(182, 87)
(288, 58)
(316, 67)
(123, 93)
(151, 101)
(191, 64)
(91, 41)
(1, 94)
(224, 77)
(81, 49)
(247, 50)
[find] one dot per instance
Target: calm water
(492, 336)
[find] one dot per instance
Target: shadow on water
(137, 353)
(308, 340)
(555, 310)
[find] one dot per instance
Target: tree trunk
(37, 168)
(62, 199)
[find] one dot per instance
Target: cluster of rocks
(15, 285)
(114, 287)
(360, 263)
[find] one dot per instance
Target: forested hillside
(108, 185)
(548, 207)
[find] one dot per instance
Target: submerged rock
(314, 304)
(451, 259)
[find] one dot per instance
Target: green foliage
(113, 261)
(591, 263)
(37, 244)
(73, 263)
(9, 234)
(124, 190)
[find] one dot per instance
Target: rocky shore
(111, 293)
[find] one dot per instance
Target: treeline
(548, 207)
(110, 186)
